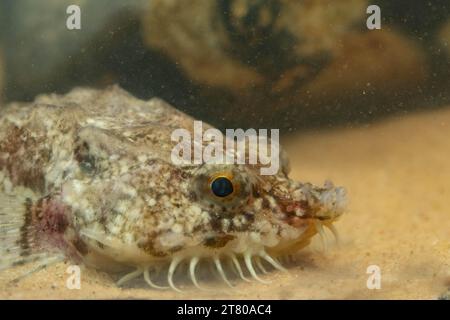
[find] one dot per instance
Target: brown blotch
(24, 234)
(80, 151)
(265, 203)
(192, 196)
(218, 241)
(297, 222)
(250, 217)
(81, 246)
(50, 216)
(21, 147)
(256, 192)
(179, 174)
(149, 248)
(215, 222)
(13, 141)
(175, 249)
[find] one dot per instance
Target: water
(367, 109)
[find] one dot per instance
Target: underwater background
(367, 109)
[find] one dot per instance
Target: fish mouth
(333, 202)
(325, 203)
(313, 209)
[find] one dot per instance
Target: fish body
(88, 177)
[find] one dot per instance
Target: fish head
(253, 213)
(156, 211)
(134, 205)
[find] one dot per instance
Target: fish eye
(222, 186)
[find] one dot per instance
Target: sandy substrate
(397, 173)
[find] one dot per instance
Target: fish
(87, 177)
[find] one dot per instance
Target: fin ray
(18, 243)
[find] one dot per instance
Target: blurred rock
(272, 62)
(444, 37)
(240, 44)
(193, 36)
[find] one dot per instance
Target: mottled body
(93, 174)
